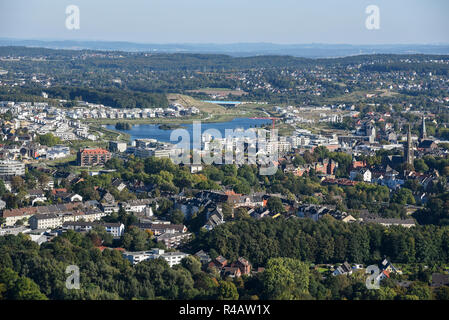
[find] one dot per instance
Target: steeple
(423, 129)
(408, 152)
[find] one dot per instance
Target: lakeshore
(153, 131)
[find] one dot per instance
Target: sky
(229, 21)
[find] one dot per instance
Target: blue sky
(229, 21)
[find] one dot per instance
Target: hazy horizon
(225, 43)
(284, 22)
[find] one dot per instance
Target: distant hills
(238, 49)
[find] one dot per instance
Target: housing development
(223, 159)
(89, 171)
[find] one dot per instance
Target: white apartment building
(137, 206)
(116, 229)
(12, 168)
(172, 258)
(53, 221)
(116, 146)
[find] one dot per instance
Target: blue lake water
(152, 131)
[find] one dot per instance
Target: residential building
(116, 229)
(345, 269)
(173, 239)
(137, 206)
(364, 173)
(12, 168)
(116, 146)
(93, 157)
(172, 258)
(161, 228)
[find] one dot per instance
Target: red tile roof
(54, 191)
(95, 151)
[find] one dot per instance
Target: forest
(32, 272)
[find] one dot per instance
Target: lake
(152, 131)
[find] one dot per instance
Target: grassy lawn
(224, 91)
(360, 96)
(76, 145)
(110, 134)
(61, 161)
(188, 102)
(285, 129)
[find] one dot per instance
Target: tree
(183, 180)
(135, 239)
(308, 157)
(43, 180)
(242, 187)
(227, 291)
(241, 213)
(17, 183)
(321, 152)
(48, 139)
(192, 264)
(11, 200)
(285, 278)
(275, 205)
(420, 290)
(19, 222)
(14, 287)
(442, 293)
(227, 210)
(27, 289)
(403, 196)
(229, 170)
(103, 236)
(298, 160)
(3, 189)
(176, 216)
(420, 165)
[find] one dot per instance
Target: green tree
(48, 139)
(420, 290)
(3, 189)
(275, 205)
(192, 264)
(176, 216)
(285, 278)
(15, 287)
(135, 239)
(27, 289)
(227, 291)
